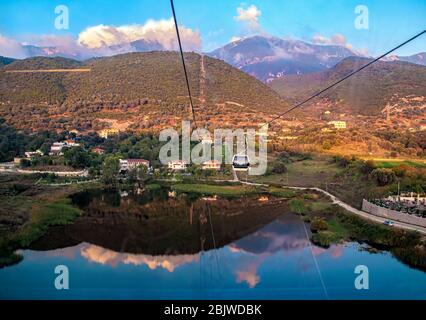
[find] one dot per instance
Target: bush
(383, 176)
(279, 168)
(24, 163)
(318, 224)
(342, 161)
(368, 166)
(298, 206)
(284, 157)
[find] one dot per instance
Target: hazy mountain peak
(269, 57)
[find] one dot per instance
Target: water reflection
(108, 257)
(161, 247)
(157, 224)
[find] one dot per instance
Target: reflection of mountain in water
(163, 233)
(284, 234)
(159, 225)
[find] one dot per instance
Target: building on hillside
(129, 164)
(71, 143)
(288, 137)
(32, 154)
(56, 148)
(338, 124)
(106, 133)
(17, 160)
(98, 150)
(177, 165)
(211, 165)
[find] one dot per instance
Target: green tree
(25, 163)
(383, 176)
(110, 170)
(77, 157)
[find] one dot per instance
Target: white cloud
(155, 31)
(337, 39)
(250, 16)
(11, 48)
(65, 45)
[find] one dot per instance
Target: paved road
(351, 209)
(363, 213)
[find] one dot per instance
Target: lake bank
(329, 223)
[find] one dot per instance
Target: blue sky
(390, 22)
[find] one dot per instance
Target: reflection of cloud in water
(277, 236)
(334, 251)
(108, 257)
(69, 253)
(282, 236)
(249, 274)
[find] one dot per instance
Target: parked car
(388, 223)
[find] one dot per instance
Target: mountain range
(129, 87)
(264, 57)
(366, 93)
(268, 58)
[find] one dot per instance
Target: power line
(183, 62)
(344, 78)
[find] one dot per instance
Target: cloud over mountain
(11, 48)
(250, 16)
(156, 31)
(104, 40)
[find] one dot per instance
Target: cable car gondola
(240, 162)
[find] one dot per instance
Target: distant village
(58, 148)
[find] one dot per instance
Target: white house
(56, 148)
(129, 164)
(177, 165)
(211, 165)
(71, 143)
(31, 154)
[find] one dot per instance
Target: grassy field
(28, 210)
(350, 185)
(306, 173)
(383, 163)
(60, 212)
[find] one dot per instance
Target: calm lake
(164, 246)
